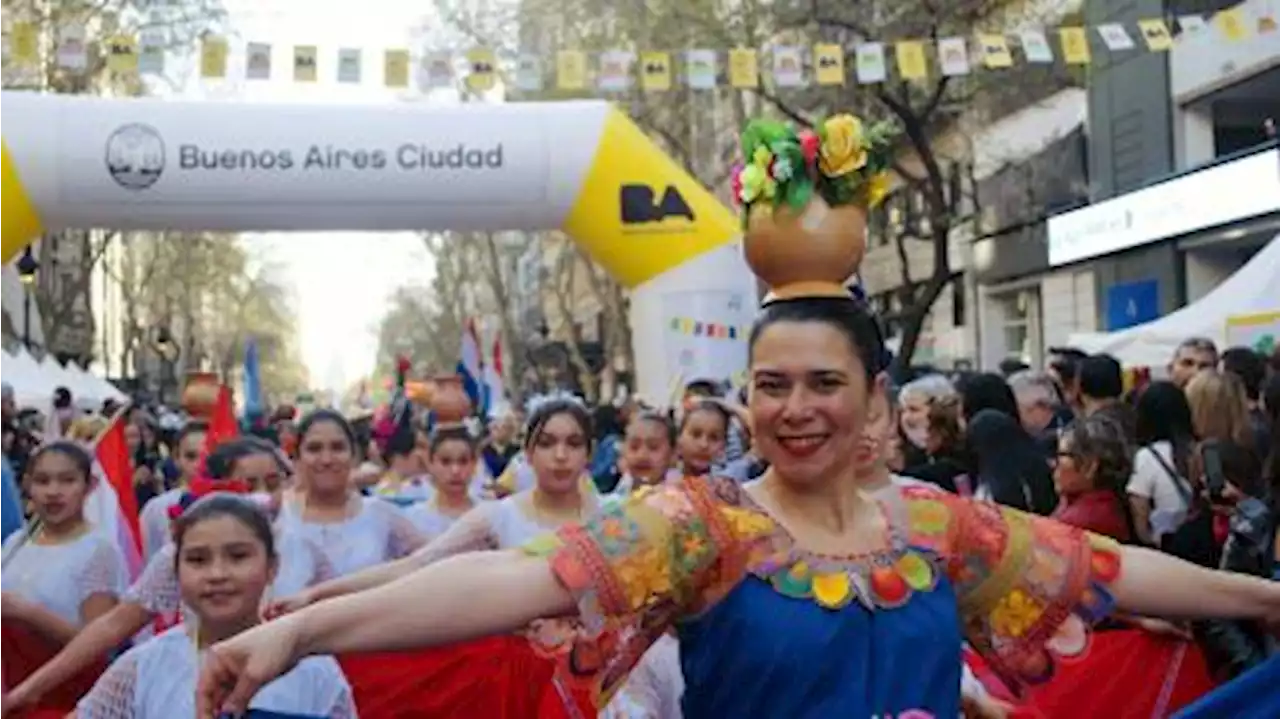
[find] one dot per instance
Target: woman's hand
(288, 605)
(1162, 628)
(233, 671)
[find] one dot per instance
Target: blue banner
(252, 381)
(1132, 303)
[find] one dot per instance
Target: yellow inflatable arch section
(582, 167)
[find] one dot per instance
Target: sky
(338, 300)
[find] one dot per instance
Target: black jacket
(1234, 647)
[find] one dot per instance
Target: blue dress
(768, 629)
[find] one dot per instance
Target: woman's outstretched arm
(1156, 584)
(460, 598)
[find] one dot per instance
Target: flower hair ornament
(536, 402)
(202, 487)
(805, 196)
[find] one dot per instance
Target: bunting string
(482, 69)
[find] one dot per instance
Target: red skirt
(1125, 674)
(23, 653)
(495, 678)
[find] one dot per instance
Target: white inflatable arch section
(581, 167)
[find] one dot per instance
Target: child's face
(453, 464)
(57, 488)
(223, 571)
(702, 440)
(647, 451)
(189, 454)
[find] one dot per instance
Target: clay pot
(200, 394)
(449, 400)
(811, 253)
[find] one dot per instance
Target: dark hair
(658, 418)
(1101, 439)
(706, 405)
(221, 462)
(606, 421)
(1101, 377)
(545, 411)
(1162, 414)
(1066, 362)
(701, 388)
(225, 505)
(78, 455)
(326, 415)
(986, 390)
(451, 433)
(844, 314)
(1241, 467)
(61, 398)
(1249, 366)
(195, 426)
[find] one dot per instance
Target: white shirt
(1150, 480)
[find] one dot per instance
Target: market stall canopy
(1253, 290)
(31, 384)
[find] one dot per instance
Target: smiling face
(558, 453)
(808, 400)
(325, 454)
(223, 571)
(702, 440)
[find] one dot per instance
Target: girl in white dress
(155, 513)
(558, 445)
(452, 463)
(155, 597)
(354, 532)
(226, 560)
(59, 573)
(648, 451)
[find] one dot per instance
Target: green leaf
(799, 193)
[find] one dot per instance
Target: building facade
(1183, 186)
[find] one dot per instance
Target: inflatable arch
(582, 167)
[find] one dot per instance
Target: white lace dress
(378, 532)
(429, 520)
(60, 577)
(157, 680)
(155, 522)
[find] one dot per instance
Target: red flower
(735, 183)
(809, 143)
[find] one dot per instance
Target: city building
(1184, 168)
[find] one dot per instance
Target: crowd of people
(328, 507)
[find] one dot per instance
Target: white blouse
(379, 532)
(155, 522)
(429, 520)
(157, 680)
(60, 577)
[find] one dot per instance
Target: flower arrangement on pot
(805, 196)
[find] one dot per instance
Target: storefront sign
(1219, 195)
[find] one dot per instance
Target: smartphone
(1215, 480)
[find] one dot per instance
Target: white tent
(31, 384)
(1254, 288)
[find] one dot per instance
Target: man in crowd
(1101, 384)
(1193, 355)
(1038, 407)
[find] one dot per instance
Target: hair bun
(805, 197)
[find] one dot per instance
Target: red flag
(112, 453)
(497, 354)
(222, 423)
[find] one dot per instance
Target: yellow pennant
(1075, 45)
(744, 67)
(995, 51)
(828, 64)
(395, 68)
(1231, 23)
(482, 69)
(1155, 33)
(122, 55)
(911, 62)
(213, 57)
(304, 63)
(655, 71)
(571, 70)
(24, 43)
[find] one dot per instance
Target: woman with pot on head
(60, 572)
(234, 467)
(797, 594)
(354, 532)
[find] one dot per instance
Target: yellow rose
(842, 148)
(876, 189)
